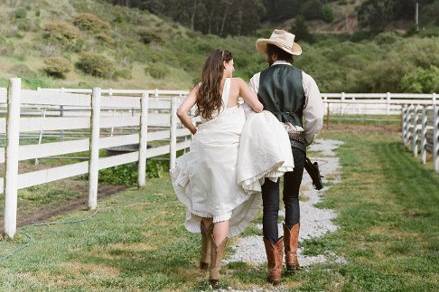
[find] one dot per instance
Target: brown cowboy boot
(274, 260)
(291, 243)
(217, 253)
(206, 226)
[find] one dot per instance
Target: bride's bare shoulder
(238, 82)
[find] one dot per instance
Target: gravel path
(315, 222)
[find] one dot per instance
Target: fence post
(435, 134)
(343, 96)
(415, 132)
(173, 144)
(143, 139)
(404, 124)
(423, 135)
(11, 156)
(93, 171)
(388, 97)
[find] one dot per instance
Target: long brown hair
(209, 93)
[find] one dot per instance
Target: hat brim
(261, 46)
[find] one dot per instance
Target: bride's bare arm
(249, 96)
(185, 107)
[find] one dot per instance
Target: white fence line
(144, 118)
(335, 103)
(420, 131)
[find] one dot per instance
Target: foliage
(311, 9)
(327, 13)
(157, 71)
(421, 80)
(96, 65)
(61, 30)
(127, 174)
(301, 31)
(57, 66)
(91, 22)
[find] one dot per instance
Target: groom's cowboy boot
(274, 260)
(217, 254)
(291, 242)
(206, 226)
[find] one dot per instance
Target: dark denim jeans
(270, 197)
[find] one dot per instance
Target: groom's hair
(275, 53)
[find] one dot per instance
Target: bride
(232, 151)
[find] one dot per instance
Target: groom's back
(281, 92)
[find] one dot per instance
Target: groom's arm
(313, 110)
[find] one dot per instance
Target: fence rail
(89, 120)
(420, 131)
(86, 121)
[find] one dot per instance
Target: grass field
(387, 213)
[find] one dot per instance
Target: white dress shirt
(313, 109)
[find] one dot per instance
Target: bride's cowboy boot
(291, 242)
(206, 226)
(217, 253)
(274, 260)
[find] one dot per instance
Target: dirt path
(43, 214)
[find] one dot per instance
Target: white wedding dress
(221, 176)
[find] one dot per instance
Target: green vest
(281, 92)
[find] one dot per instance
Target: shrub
(147, 36)
(300, 29)
(95, 65)
(57, 67)
(123, 73)
(312, 9)
(157, 71)
(90, 22)
(23, 71)
(20, 13)
(104, 37)
(24, 25)
(327, 14)
(61, 30)
(421, 80)
(127, 174)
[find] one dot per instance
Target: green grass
(387, 214)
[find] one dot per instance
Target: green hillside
(87, 43)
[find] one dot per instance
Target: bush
(157, 71)
(127, 174)
(123, 73)
(104, 37)
(327, 14)
(20, 13)
(147, 36)
(90, 22)
(300, 29)
(95, 65)
(61, 30)
(421, 80)
(57, 67)
(22, 71)
(311, 9)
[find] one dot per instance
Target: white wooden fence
(335, 103)
(89, 119)
(420, 131)
(149, 119)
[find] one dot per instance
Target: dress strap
(226, 92)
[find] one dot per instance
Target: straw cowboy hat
(282, 39)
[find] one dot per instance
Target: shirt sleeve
(254, 82)
(313, 110)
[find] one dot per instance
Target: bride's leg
(219, 241)
(220, 231)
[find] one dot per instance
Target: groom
(294, 98)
